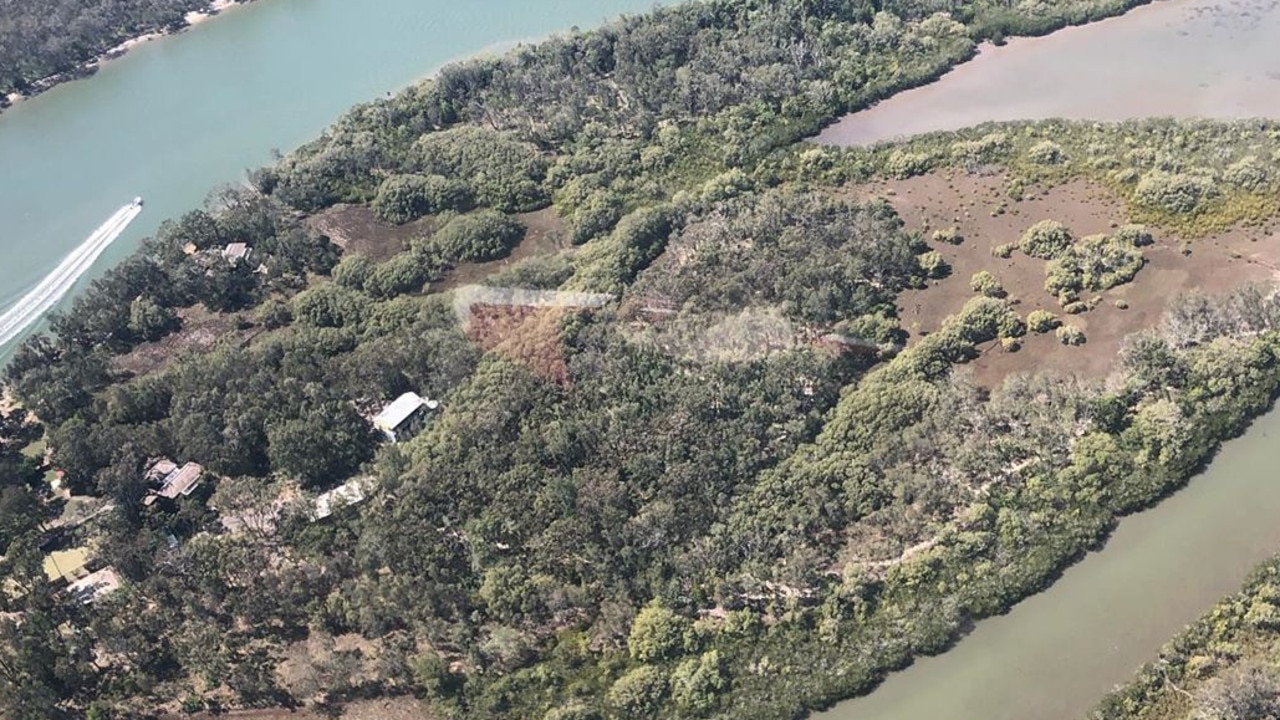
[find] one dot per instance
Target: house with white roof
(403, 418)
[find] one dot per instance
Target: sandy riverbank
(191, 19)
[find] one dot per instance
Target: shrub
(274, 313)
(1071, 335)
(1042, 321)
(656, 633)
(934, 265)
(1249, 174)
(697, 684)
(478, 237)
(1045, 152)
(402, 198)
(1098, 262)
(984, 283)
(1177, 193)
(353, 270)
(1135, 235)
(1003, 251)
(950, 235)
(902, 164)
(1046, 240)
(406, 272)
(1010, 344)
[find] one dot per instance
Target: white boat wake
(55, 285)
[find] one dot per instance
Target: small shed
(403, 418)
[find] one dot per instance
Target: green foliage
(933, 264)
(1097, 262)
(330, 305)
(1047, 240)
(1042, 321)
(697, 683)
(60, 36)
(402, 198)
(478, 237)
(950, 235)
(1045, 152)
(1070, 335)
(638, 694)
(657, 633)
(404, 273)
(1177, 193)
(504, 172)
(984, 283)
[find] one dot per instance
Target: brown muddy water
(1178, 58)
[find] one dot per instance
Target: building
(95, 586)
(403, 418)
(235, 253)
(347, 494)
(172, 481)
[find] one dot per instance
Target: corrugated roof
(393, 415)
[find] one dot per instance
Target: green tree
(656, 633)
(323, 446)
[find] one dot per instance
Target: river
(1178, 58)
(178, 116)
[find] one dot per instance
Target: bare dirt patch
(200, 331)
(971, 203)
(544, 235)
(355, 228)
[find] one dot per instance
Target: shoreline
(91, 66)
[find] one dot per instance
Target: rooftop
(95, 585)
(349, 493)
(174, 480)
(403, 408)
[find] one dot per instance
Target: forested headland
(58, 38)
(741, 488)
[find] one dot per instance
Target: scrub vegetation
(596, 524)
(1222, 667)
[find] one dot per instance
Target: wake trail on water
(55, 285)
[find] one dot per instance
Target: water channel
(175, 117)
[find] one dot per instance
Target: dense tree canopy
(39, 40)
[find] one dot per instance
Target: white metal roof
(393, 415)
(347, 494)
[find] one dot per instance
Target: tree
(638, 694)
(697, 683)
(657, 633)
(148, 320)
(324, 445)
(478, 237)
